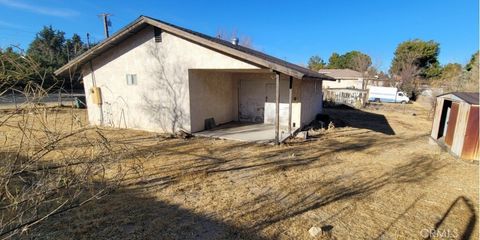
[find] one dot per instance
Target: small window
(400, 94)
(131, 79)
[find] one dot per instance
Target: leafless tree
(409, 73)
(362, 64)
(50, 165)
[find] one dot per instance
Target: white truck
(386, 94)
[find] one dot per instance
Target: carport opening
(237, 101)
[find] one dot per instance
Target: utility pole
(106, 23)
(88, 40)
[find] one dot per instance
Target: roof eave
(90, 54)
(321, 77)
(471, 101)
(224, 49)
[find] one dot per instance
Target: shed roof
(226, 47)
(469, 97)
(344, 73)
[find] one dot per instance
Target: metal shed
(455, 124)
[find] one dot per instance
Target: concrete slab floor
(246, 132)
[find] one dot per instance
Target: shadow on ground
(132, 214)
(209, 189)
(462, 204)
(361, 119)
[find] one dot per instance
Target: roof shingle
(258, 58)
(469, 97)
(344, 73)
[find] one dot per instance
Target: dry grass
(378, 179)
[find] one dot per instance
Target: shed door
(470, 145)
(452, 121)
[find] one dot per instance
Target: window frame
(132, 79)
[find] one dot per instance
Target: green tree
(51, 50)
(355, 60)
(415, 61)
(451, 71)
(316, 63)
(456, 78)
(358, 61)
(47, 49)
(423, 55)
(450, 77)
(471, 64)
(336, 61)
(74, 47)
(472, 75)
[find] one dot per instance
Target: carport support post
(290, 106)
(277, 108)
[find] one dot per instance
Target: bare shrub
(49, 164)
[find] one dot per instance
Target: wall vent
(158, 35)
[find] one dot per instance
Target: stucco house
(344, 78)
(155, 76)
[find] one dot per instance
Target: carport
(242, 104)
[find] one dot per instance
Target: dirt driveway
(379, 178)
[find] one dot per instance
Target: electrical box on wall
(96, 94)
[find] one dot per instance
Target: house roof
(242, 53)
(344, 73)
(469, 97)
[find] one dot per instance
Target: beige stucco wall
(311, 99)
(213, 94)
(344, 83)
(257, 98)
(160, 102)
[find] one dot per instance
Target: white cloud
(57, 12)
(10, 25)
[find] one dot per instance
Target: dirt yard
(378, 178)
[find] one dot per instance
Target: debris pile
(322, 124)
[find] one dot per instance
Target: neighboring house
(455, 124)
(348, 78)
(345, 78)
(156, 76)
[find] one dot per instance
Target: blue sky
(293, 30)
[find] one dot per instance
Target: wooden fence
(355, 98)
